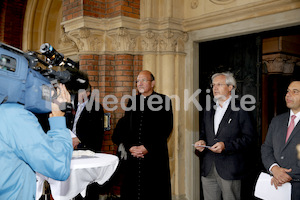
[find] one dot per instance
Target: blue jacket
(26, 149)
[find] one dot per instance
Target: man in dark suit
(88, 124)
(279, 152)
(88, 127)
(228, 131)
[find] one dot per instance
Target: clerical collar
(145, 97)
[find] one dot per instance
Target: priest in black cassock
(146, 126)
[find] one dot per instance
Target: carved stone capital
(123, 40)
(87, 39)
(167, 41)
(149, 41)
(164, 41)
(65, 44)
(280, 63)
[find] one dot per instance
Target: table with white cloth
(84, 171)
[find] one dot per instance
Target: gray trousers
(214, 187)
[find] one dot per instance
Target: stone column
(164, 56)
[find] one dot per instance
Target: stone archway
(42, 23)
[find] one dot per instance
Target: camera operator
(26, 149)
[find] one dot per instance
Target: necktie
(290, 128)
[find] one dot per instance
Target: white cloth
(84, 170)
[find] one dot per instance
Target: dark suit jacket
(275, 150)
(237, 133)
(90, 128)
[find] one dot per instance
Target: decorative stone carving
(96, 44)
(127, 40)
(84, 33)
(288, 67)
(124, 41)
(184, 36)
(182, 39)
(65, 42)
(194, 4)
(167, 42)
(149, 42)
(280, 63)
(275, 66)
(87, 39)
(80, 44)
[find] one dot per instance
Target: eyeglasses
(216, 85)
(142, 80)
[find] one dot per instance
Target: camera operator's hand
(63, 97)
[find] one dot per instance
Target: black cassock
(149, 125)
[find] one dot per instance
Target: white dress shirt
(219, 114)
(77, 115)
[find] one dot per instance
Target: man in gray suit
(279, 153)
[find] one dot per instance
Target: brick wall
(100, 8)
(112, 75)
(128, 8)
(11, 22)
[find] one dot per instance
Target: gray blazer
(275, 150)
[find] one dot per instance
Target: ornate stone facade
(125, 40)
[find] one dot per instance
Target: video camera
(23, 81)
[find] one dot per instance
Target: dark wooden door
(239, 55)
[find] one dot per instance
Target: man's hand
(218, 147)
(280, 176)
(138, 151)
(275, 182)
(64, 96)
(200, 142)
(75, 142)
